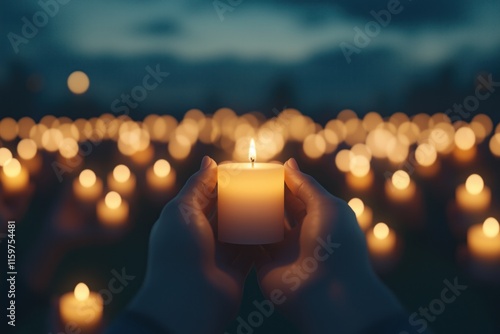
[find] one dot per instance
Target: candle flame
(81, 292)
(121, 173)
(252, 154)
(491, 228)
(401, 179)
(12, 168)
(381, 231)
(357, 206)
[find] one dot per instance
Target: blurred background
(93, 84)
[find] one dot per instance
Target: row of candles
(112, 208)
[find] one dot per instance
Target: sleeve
(133, 323)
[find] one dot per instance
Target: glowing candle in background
(82, 308)
(465, 144)
(473, 196)
(161, 176)
(87, 187)
(122, 180)
(113, 211)
(381, 241)
(28, 154)
(360, 176)
(251, 201)
(5, 156)
(363, 213)
(400, 187)
(483, 240)
(14, 177)
(426, 157)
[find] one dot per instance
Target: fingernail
(205, 162)
(292, 163)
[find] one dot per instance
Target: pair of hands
(320, 273)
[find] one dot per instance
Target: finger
(199, 190)
(303, 186)
(295, 209)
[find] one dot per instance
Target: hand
(193, 284)
(320, 275)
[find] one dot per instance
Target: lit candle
(81, 308)
(473, 195)
(112, 211)
(400, 188)
(251, 201)
(122, 180)
(15, 178)
(161, 176)
(381, 241)
(483, 240)
(363, 213)
(88, 187)
(360, 176)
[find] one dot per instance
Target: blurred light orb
(474, 184)
(68, 148)
(82, 292)
(495, 144)
(5, 155)
(121, 173)
(381, 231)
(314, 146)
(27, 149)
(78, 82)
(491, 228)
(465, 138)
(12, 168)
(161, 168)
(359, 166)
(357, 206)
(343, 160)
(113, 200)
(425, 154)
(87, 178)
(8, 129)
(400, 179)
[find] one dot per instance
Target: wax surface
(481, 246)
(251, 203)
(85, 314)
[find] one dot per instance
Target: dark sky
(238, 58)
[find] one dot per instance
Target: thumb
(304, 186)
(200, 187)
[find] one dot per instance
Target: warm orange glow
(113, 200)
(491, 228)
(401, 180)
(357, 206)
(87, 178)
(359, 166)
(474, 184)
(82, 292)
(343, 160)
(68, 148)
(27, 149)
(121, 173)
(465, 138)
(425, 154)
(78, 82)
(12, 168)
(252, 154)
(495, 144)
(8, 129)
(5, 155)
(381, 231)
(162, 168)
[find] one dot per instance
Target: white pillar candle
(87, 187)
(251, 202)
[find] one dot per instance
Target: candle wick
(252, 160)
